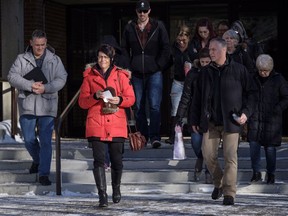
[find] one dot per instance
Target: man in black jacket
(223, 102)
(146, 42)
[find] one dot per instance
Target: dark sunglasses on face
(142, 11)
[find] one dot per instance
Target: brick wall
(1, 102)
(50, 17)
(33, 18)
(55, 24)
(0, 47)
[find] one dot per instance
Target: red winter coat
(105, 126)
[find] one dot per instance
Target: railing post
(58, 159)
(13, 112)
(58, 123)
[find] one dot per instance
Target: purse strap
(132, 116)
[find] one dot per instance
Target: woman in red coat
(106, 91)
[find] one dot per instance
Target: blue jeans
(176, 93)
(149, 87)
(40, 150)
(255, 155)
(196, 141)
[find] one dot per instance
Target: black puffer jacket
(154, 56)
(242, 57)
(265, 125)
(237, 93)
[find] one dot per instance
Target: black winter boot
(270, 178)
(256, 177)
(171, 138)
(100, 179)
(116, 181)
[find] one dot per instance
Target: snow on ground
(76, 204)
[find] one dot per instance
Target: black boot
(256, 177)
(270, 178)
(171, 138)
(198, 169)
(100, 179)
(116, 181)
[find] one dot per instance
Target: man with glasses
(146, 42)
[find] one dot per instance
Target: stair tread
(144, 171)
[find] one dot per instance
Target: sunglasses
(142, 11)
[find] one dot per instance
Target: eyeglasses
(142, 11)
(263, 71)
(103, 57)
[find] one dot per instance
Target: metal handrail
(58, 124)
(13, 108)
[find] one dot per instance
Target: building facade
(75, 29)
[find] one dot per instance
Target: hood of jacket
(111, 41)
(239, 28)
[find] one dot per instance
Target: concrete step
(135, 164)
(146, 171)
(76, 150)
(130, 176)
(141, 188)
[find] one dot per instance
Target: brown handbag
(136, 140)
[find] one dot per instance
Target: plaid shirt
(143, 34)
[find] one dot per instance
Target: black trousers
(115, 150)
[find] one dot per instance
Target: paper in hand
(107, 94)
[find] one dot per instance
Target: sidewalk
(143, 204)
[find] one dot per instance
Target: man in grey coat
(38, 75)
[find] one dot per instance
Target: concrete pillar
(12, 30)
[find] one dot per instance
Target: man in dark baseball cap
(148, 58)
(142, 5)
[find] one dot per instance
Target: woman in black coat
(265, 125)
(184, 110)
